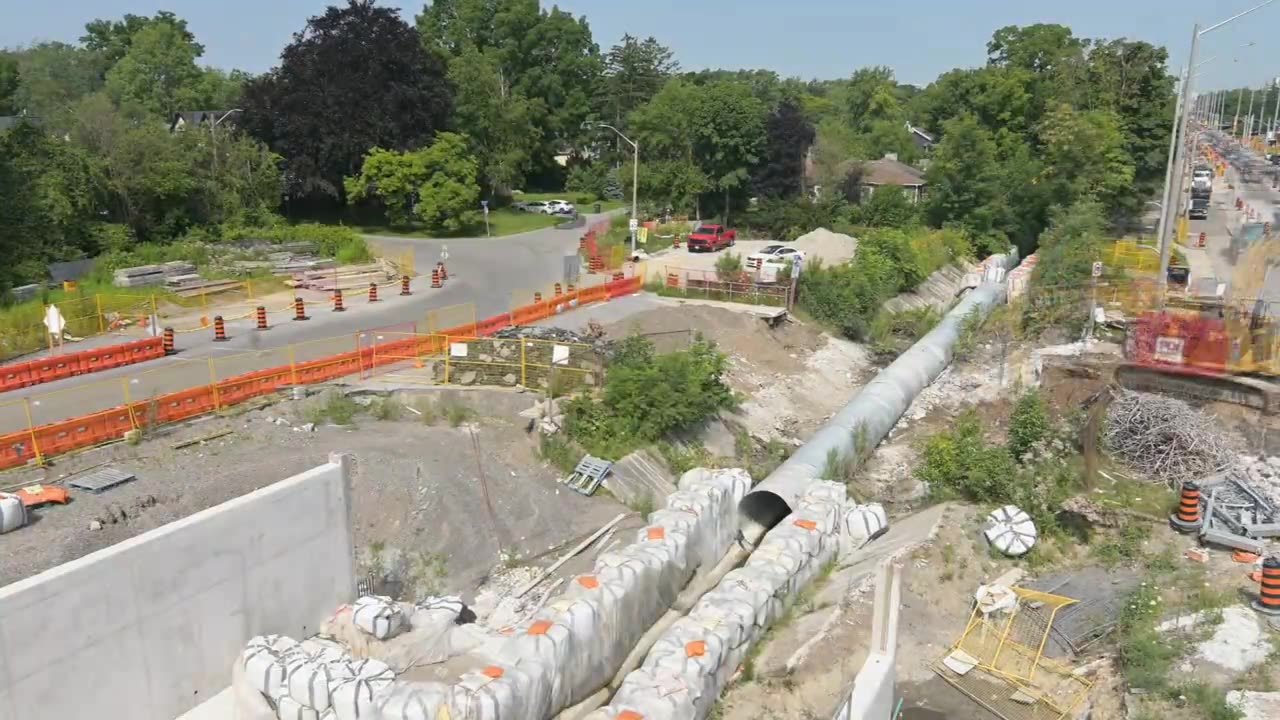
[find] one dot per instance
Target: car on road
(1199, 209)
(711, 238)
(533, 206)
(774, 255)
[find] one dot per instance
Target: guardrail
(37, 442)
(80, 362)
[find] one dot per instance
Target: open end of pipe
(763, 508)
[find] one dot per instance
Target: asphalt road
(488, 272)
(1219, 259)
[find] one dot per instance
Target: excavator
(1212, 348)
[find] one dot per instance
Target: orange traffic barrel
(537, 297)
(219, 329)
(444, 274)
(299, 310)
(1187, 518)
(618, 275)
(1268, 601)
(337, 301)
(435, 278)
(404, 285)
(558, 290)
(262, 317)
(167, 342)
(373, 292)
(571, 288)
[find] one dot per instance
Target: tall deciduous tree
(498, 120)
(964, 179)
(111, 39)
(788, 137)
(547, 57)
(1084, 156)
(53, 76)
(49, 189)
(8, 83)
(158, 73)
(356, 77)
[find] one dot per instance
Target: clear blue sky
(810, 38)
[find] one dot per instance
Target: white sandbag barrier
(312, 680)
(689, 666)
(860, 525)
(13, 514)
(378, 616)
(563, 654)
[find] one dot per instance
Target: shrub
(1028, 424)
(958, 462)
(646, 396)
(729, 267)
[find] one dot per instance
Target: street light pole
(1275, 114)
(635, 177)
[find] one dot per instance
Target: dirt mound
(740, 335)
(832, 247)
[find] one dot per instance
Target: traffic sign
(633, 224)
(1097, 268)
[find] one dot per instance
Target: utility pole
(1248, 123)
(1275, 114)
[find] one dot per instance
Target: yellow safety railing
(1010, 675)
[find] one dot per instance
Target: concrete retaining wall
(146, 629)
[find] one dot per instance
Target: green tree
(546, 56)
(437, 185)
(497, 118)
(158, 73)
(1084, 156)
(111, 39)
(634, 71)
(8, 83)
(964, 179)
(357, 77)
(50, 189)
(394, 178)
(889, 206)
(53, 76)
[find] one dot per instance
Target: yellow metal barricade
(999, 661)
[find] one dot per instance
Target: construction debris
(1239, 512)
(100, 481)
(151, 274)
(1166, 438)
(1010, 530)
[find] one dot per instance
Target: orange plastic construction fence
(35, 443)
(80, 362)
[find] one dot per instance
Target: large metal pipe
(854, 432)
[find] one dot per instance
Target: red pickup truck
(710, 238)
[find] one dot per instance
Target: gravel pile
(832, 247)
(1263, 475)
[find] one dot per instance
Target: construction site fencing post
(31, 428)
(213, 385)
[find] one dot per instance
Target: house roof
(920, 133)
(198, 117)
(888, 171)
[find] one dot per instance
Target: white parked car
(533, 206)
(774, 255)
(559, 207)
